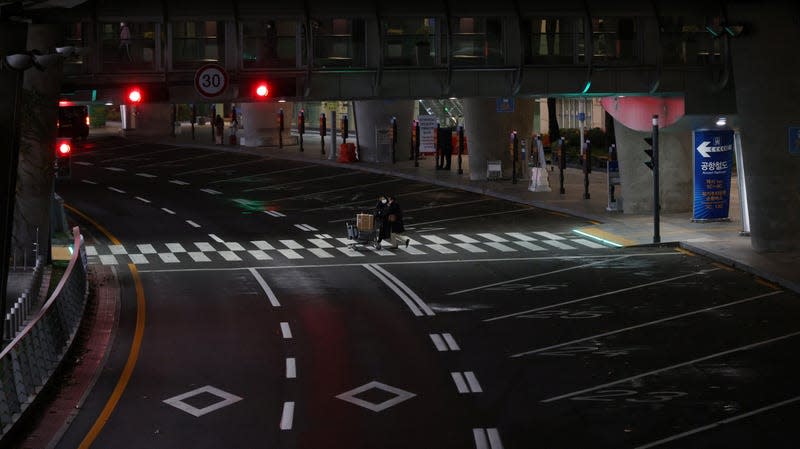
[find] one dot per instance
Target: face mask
(383, 201)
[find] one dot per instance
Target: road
(247, 321)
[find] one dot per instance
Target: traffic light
(650, 164)
(261, 90)
(134, 95)
(63, 161)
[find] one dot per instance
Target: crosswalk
(326, 248)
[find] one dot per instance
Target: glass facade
(478, 41)
(273, 43)
(687, 41)
(195, 43)
(128, 46)
(411, 41)
(553, 40)
(338, 42)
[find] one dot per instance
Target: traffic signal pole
(656, 201)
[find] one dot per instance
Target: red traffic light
(262, 89)
(135, 95)
(63, 147)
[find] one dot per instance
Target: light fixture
(45, 61)
(67, 51)
(722, 121)
(19, 61)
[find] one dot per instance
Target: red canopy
(637, 112)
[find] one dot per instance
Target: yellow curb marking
(618, 239)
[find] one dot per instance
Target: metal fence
(31, 358)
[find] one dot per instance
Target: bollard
(280, 128)
(416, 143)
(301, 126)
(587, 168)
(394, 139)
(460, 147)
(514, 148)
(562, 163)
(323, 130)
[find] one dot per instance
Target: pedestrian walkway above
(722, 241)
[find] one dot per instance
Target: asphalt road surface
(247, 320)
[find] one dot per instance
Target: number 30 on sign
(211, 80)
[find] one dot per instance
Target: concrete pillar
(260, 123)
(766, 69)
(372, 115)
(488, 132)
(152, 120)
(675, 170)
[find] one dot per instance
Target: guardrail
(18, 312)
(29, 361)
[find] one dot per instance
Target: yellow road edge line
(125, 377)
(618, 239)
(686, 251)
(97, 225)
(766, 283)
(723, 266)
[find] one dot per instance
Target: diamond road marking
(260, 244)
(168, 257)
(117, 249)
(319, 252)
(138, 259)
(226, 400)
(291, 244)
(199, 257)
(234, 246)
(401, 395)
(320, 243)
(204, 246)
(108, 259)
(230, 256)
(259, 254)
(146, 249)
(175, 248)
(290, 254)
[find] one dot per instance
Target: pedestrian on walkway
(125, 41)
(381, 217)
(219, 126)
(394, 216)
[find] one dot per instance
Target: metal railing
(31, 358)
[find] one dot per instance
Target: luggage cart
(369, 237)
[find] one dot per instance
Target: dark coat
(397, 224)
(381, 216)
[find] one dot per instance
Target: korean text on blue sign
(713, 162)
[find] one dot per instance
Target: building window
(196, 42)
(75, 36)
(338, 42)
(272, 43)
(554, 40)
(411, 41)
(614, 39)
(128, 46)
(478, 41)
(686, 41)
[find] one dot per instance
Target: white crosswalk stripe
(321, 247)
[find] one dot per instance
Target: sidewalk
(720, 241)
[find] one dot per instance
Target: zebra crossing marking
(291, 244)
(168, 257)
(138, 259)
(321, 253)
(204, 246)
(290, 253)
(557, 244)
(259, 254)
(588, 243)
(262, 245)
(530, 246)
(501, 247)
(230, 256)
(549, 236)
(199, 256)
(493, 238)
(470, 247)
(117, 249)
(435, 239)
(175, 248)
(146, 249)
(464, 238)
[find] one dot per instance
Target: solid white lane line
(274, 213)
(115, 169)
(291, 368)
(144, 200)
(264, 286)
(204, 246)
(146, 175)
(600, 295)
(494, 284)
(438, 342)
(114, 189)
(86, 164)
(671, 367)
(719, 423)
(168, 211)
(211, 191)
(193, 224)
(216, 239)
(649, 323)
(424, 307)
(86, 181)
(549, 236)
(175, 247)
(409, 303)
(286, 331)
(178, 182)
(451, 342)
(287, 416)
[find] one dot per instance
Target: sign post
(713, 160)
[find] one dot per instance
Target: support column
(767, 90)
(377, 114)
(152, 120)
(675, 169)
(260, 123)
(488, 132)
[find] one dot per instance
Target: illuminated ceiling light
(587, 87)
(722, 121)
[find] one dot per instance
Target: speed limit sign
(211, 80)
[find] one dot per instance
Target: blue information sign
(713, 161)
(505, 104)
(794, 140)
